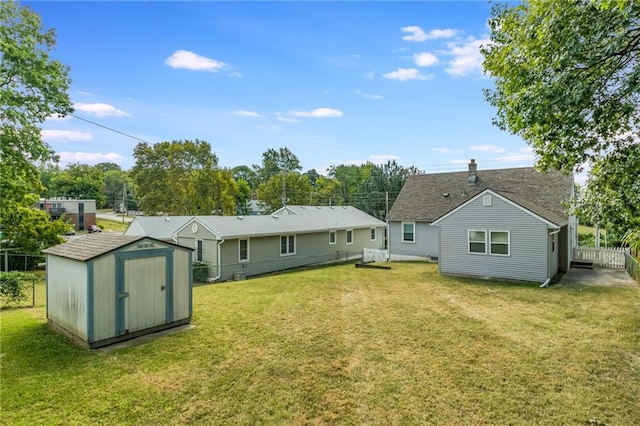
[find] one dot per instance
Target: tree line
(184, 178)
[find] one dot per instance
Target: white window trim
(294, 245)
(346, 236)
(486, 200)
(402, 224)
(248, 250)
(508, 243)
(196, 249)
(375, 234)
(469, 231)
(335, 238)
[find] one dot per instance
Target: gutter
(218, 266)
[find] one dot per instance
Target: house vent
(445, 195)
(486, 200)
(239, 217)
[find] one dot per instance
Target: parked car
(92, 229)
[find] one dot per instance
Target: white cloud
(65, 135)
(404, 74)
(269, 127)
(467, 58)
(459, 161)
(287, 119)
(382, 158)
(235, 74)
(425, 59)
(247, 113)
(191, 61)
(318, 113)
(368, 95)
(90, 157)
(445, 150)
(523, 154)
(417, 34)
(100, 110)
(84, 93)
(487, 148)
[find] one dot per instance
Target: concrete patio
(604, 277)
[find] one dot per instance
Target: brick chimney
(473, 172)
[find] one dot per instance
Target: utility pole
(124, 199)
(284, 192)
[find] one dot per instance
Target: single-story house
(507, 223)
(234, 247)
(105, 288)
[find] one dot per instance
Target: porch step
(584, 264)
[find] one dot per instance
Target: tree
(32, 88)
(81, 181)
(291, 188)
(277, 162)
(246, 174)
(243, 196)
(114, 183)
(567, 79)
(182, 178)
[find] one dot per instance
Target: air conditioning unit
(239, 276)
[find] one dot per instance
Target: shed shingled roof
(92, 245)
(423, 197)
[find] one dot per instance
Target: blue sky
(335, 82)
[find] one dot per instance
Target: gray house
(234, 247)
(104, 288)
(507, 223)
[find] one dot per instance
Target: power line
(109, 128)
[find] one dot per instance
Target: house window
(349, 236)
(408, 232)
(477, 242)
(199, 250)
(500, 242)
(287, 245)
(243, 250)
(332, 237)
(373, 234)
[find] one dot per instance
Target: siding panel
(426, 245)
(528, 250)
(68, 299)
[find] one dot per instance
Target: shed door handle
(121, 295)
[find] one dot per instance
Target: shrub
(13, 286)
(200, 272)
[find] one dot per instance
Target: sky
(334, 82)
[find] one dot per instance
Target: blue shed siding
(425, 246)
(527, 260)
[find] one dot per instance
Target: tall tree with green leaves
(81, 181)
(291, 188)
(182, 178)
(32, 87)
(275, 163)
(567, 79)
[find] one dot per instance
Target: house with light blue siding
(235, 247)
(506, 223)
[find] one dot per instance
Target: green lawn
(349, 346)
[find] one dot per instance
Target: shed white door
(146, 303)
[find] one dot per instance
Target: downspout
(218, 266)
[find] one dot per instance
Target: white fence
(612, 257)
(374, 255)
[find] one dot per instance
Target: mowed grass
(343, 345)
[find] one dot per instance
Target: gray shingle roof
(422, 197)
(91, 245)
(160, 227)
(293, 220)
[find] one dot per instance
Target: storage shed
(105, 288)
